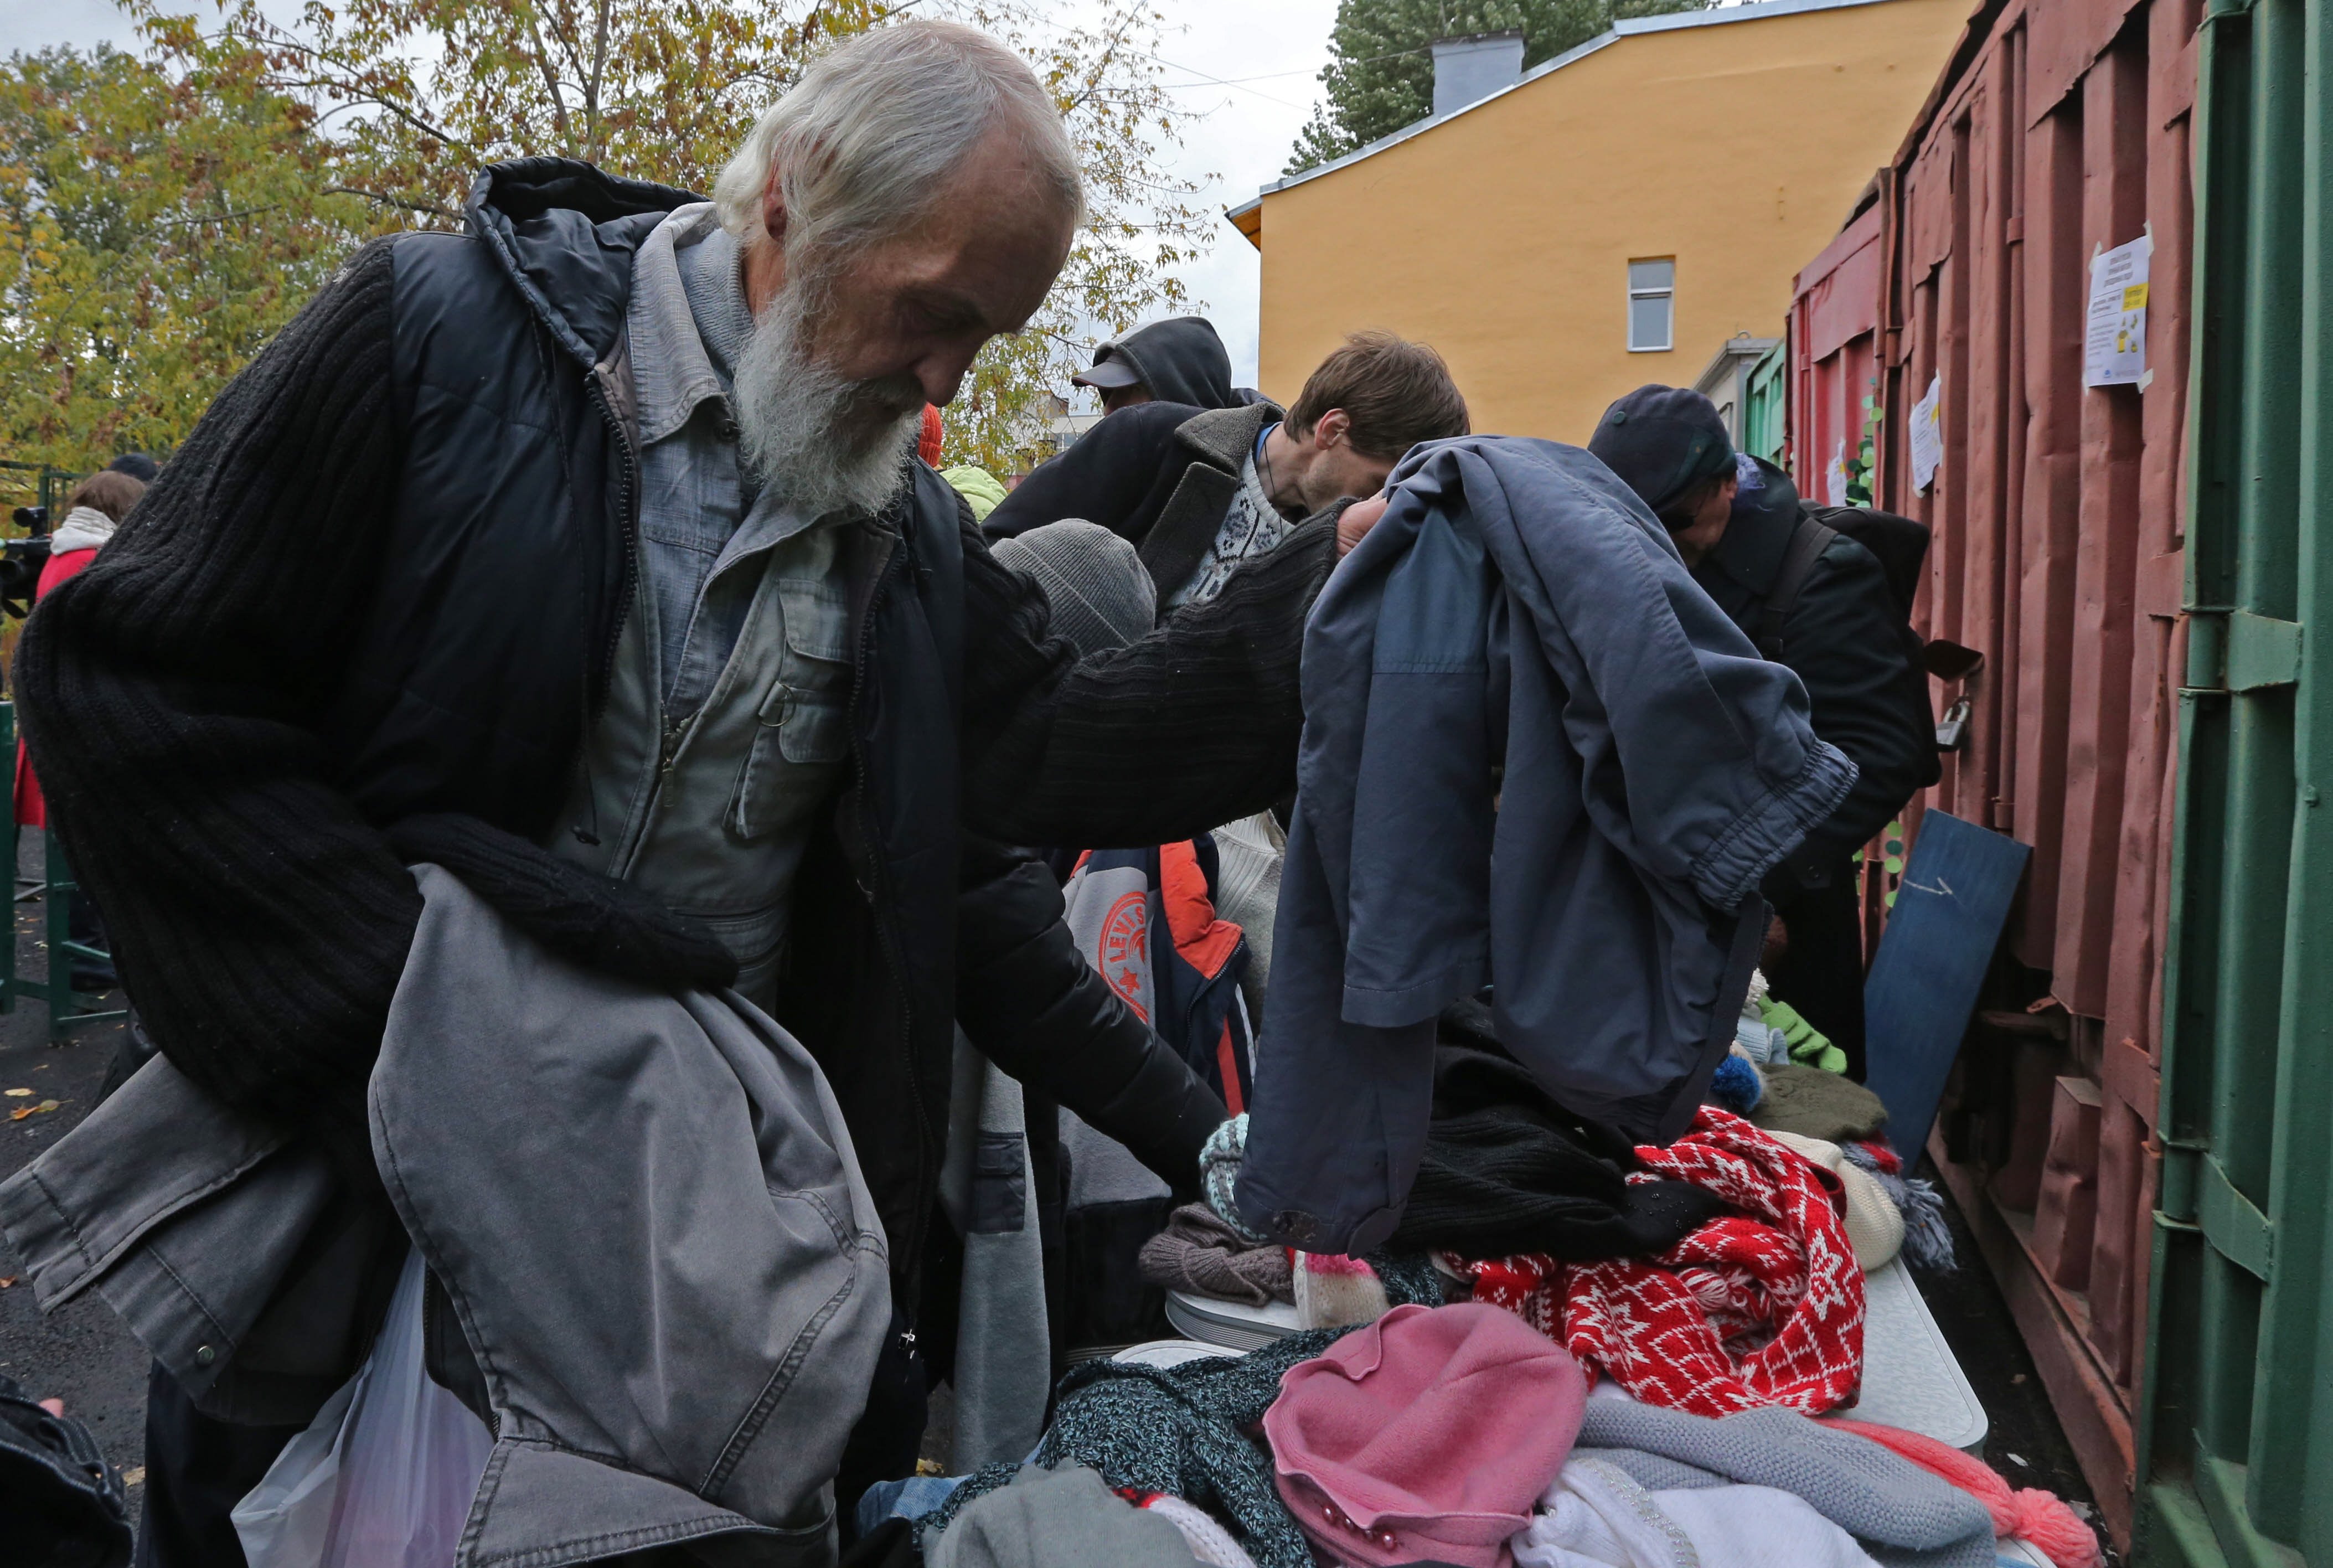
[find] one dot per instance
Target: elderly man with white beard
(585, 555)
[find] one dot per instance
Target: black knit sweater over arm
(168, 695)
(1193, 726)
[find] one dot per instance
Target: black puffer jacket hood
(541, 218)
(1181, 360)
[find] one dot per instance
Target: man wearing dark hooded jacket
(1734, 519)
(1179, 360)
(584, 555)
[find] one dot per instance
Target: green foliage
(1380, 72)
(153, 231)
(161, 216)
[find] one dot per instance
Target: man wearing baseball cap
(1822, 606)
(1181, 360)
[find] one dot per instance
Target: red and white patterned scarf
(1763, 1307)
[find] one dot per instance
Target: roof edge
(1718, 15)
(1741, 346)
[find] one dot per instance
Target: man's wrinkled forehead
(981, 260)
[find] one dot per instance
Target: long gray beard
(822, 444)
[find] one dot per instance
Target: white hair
(863, 145)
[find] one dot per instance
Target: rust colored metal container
(2058, 131)
(1835, 380)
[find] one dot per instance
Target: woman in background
(94, 509)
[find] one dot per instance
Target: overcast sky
(1245, 69)
(1271, 53)
(37, 23)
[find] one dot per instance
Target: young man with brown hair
(1198, 492)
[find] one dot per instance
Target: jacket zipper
(668, 744)
(628, 524)
(884, 932)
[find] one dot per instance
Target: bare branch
(599, 65)
(398, 202)
(550, 83)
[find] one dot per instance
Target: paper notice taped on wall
(1928, 436)
(1834, 477)
(2114, 349)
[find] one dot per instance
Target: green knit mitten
(1809, 1047)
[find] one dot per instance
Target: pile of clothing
(1520, 1120)
(1453, 1435)
(1455, 1063)
(1786, 1077)
(1722, 1272)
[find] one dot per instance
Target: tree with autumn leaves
(162, 214)
(153, 234)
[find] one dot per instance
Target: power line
(1206, 81)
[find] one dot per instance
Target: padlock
(1953, 728)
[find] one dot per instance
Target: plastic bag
(384, 1477)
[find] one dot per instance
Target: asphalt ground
(2024, 1441)
(81, 1353)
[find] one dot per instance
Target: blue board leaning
(1949, 912)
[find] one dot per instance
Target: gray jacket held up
(1535, 754)
(642, 1207)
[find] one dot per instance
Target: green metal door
(1763, 410)
(2235, 1440)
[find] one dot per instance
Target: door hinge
(2262, 651)
(2238, 650)
(2231, 1223)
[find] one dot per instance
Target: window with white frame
(1652, 305)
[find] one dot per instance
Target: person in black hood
(1735, 518)
(1178, 360)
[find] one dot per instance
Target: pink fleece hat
(1429, 1434)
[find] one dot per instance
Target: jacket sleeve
(1847, 646)
(168, 695)
(1193, 726)
(1107, 476)
(1030, 1002)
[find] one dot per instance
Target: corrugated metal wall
(2060, 129)
(2237, 1446)
(1834, 356)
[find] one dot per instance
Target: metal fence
(34, 485)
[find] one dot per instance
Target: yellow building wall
(1503, 236)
